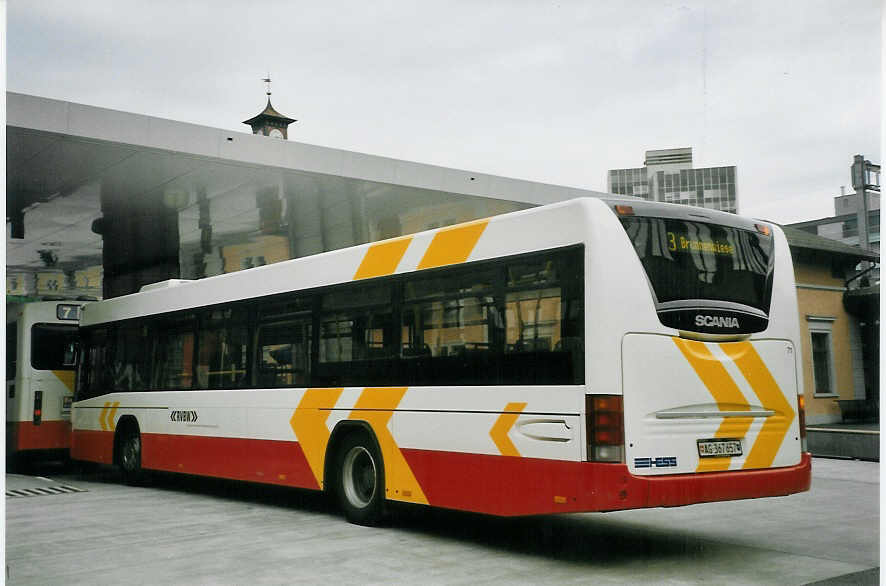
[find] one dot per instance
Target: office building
(843, 225)
(667, 175)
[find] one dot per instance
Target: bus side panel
(487, 423)
(498, 465)
(90, 445)
(49, 435)
(506, 486)
(54, 430)
(211, 433)
(252, 460)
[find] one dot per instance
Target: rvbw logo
(186, 416)
(716, 321)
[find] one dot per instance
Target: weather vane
(267, 80)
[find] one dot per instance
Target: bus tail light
(605, 427)
(801, 415)
(38, 407)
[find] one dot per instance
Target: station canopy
(92, 191)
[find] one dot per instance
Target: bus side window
(543, 342)
(284, 353)
(131, 350)
(284, 342)
(174, 363)
(222, 341)
(356, 336)
(92, 379)
(451, 328)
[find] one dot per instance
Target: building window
(820, 332)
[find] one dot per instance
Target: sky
(551, 91)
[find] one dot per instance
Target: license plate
(714, 448)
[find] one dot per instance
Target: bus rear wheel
(360, 483)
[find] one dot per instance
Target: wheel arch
(127, 424)
(342, 430)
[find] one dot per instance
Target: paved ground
(197, 531)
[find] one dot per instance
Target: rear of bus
(700, 314)
(41, 343)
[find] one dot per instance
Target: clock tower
(270, 122)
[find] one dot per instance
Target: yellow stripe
(308, 422)
(376, 406)
(66, 377)
(771, 396)
(382, 258)
(452, 245)
(504, 423)
(102, 414)
(725, 392)
(110, 418)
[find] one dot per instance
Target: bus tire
(360, 479)
(129, 455)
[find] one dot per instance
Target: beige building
(839, 336)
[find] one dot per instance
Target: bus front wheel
(361, 484)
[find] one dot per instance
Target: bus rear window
(687, 260)
(53, 346)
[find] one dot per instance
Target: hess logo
(715, 321)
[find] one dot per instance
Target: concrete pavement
(202, 531)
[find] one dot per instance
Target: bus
(41, 350)
(590, 355)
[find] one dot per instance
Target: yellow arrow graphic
(106, 415)
(110, 417)
(308, 422)
(761, 380)
(376, 407)
(724, 390)
(504, 423)
(102, 414)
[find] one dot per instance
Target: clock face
(275, 133)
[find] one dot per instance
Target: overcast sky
(557, 92)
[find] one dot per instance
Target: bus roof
(510, 234)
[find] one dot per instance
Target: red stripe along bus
(590, 355)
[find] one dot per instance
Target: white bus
(40, 360)
(590, 355)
